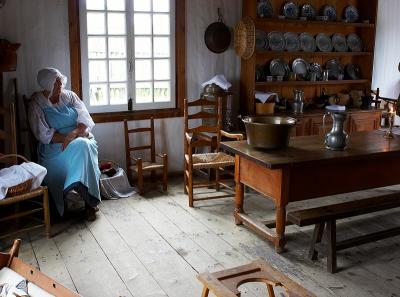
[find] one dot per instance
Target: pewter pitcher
(298, 101)
(337, 138)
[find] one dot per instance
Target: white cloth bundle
(220, 81)
(265, 97)
(116, 186)
(17, 174)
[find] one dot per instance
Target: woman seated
(62, 124)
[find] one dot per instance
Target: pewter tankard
(337, 138)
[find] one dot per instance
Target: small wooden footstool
(225, 283)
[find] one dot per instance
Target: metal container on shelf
(212, 92)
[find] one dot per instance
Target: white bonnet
(47, 77)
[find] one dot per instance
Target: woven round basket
(21, 188)
(245, 38)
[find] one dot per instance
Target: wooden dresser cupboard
(364, 28)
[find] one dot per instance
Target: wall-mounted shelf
(264, 21)
(313, 54)
(312, 83)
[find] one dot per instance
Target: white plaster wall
(41, 26)
(387, 49)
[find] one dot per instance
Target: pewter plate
(292, 42)
(301, 68)
(335, 69)
(307, 42)
(308, 11)
(330, 12)
(324, 42)
(291, 10)
(279, 67)
(261, 40)
(354, 42)
(276, 41)
(339, 42)
(351, 14)
(264, 9)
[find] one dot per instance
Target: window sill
(109, 117)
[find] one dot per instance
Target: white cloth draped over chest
(40, 128)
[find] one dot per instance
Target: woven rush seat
(212, 160)
(148, 166)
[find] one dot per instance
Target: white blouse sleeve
(39, 126)
(83, 114)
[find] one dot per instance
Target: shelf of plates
(365, 29)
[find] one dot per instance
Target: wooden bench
(327, 215)
(226, 283)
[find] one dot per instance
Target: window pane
(142, 5)
(143, 47)
(116, 23)
(117, 47)
(96, 47)
(97, 71)
(161, 5)
(96, 23)
(116, 4)
(162, 91)
(144, 92)
(143, 70)
(161, 69)
(95, 4)
(162, 47)
(161, 24)
(118, 94)
(118, 70)
(142, 23)
(98, 94)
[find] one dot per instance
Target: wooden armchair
(137, 165)
(194, 138)
(32, 275)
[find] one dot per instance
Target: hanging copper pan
(217, 36)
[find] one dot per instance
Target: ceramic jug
(337, 138)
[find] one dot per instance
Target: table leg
(280, 229)
(239, 195)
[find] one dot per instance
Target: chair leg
(140, 184)
(165, 173)
(185, 179)
(271, 292)
(317, 237)
(46, 213)
(205, 292)
(331, 235)
(217, 172)
(190, 186)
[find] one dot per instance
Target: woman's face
(57, 88)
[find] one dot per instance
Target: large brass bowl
(268, 132)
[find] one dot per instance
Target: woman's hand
(70, 137)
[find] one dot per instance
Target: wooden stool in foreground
(225, 283)
(31, 274)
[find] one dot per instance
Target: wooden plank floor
(155, 246)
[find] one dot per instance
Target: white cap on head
(47, 77)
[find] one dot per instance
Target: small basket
(21, 188)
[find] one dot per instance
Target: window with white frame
(128, 51)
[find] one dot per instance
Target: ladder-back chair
(137, 165)
(198, 136)
(22, 192)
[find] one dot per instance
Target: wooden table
(307, 170)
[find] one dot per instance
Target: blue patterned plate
(292, 42)
(330, 12)
(264, 9)
(276, 41)
(324, 42)
(291, 10)
(351, 14)
(339, 42)
(354, 42)
(307, 42)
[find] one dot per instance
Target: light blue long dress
(74, 168)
